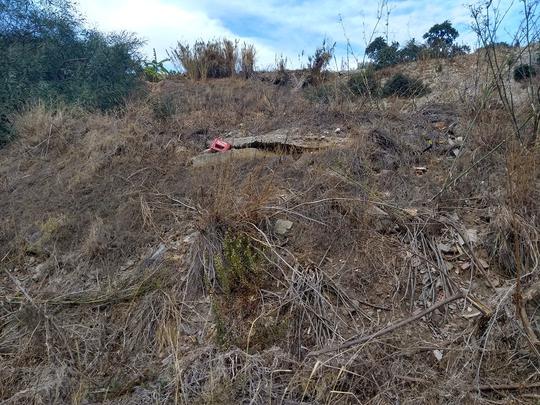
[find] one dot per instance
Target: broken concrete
(285, 138)
(291, 141)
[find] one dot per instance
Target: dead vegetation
(407, 272)
(214, 59)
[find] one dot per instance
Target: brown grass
(214, 59)
(128, 275)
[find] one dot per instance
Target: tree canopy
(440, 43)
(47, 53)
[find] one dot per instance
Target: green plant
(325, 93)
(363, 83)
(403, 86)
(237, 267)
(155, 70)
(412, 51)
(523, 72)
(320, 61)
(47, 54)
(383, 54)
(440, 38)
(282, 76)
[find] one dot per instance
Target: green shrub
(47, 54)
(318, 63)
(325, 93)
(401, 85)
(523, 72)
(237, 268)
(155, 70)
(363, 84)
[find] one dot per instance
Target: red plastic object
(219, 145)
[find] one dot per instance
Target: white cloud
(288, 26)
(161, 24)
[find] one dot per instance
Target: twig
(506, 387)
(388, 329)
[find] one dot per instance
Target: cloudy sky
(292, 28)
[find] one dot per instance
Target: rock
(413, 212)
(282, 226)
(483, 263)
(446, 248)
(438, 354)
(42, 270)
(292, 138)
(382, 221)
(472, 235)
(337, 130)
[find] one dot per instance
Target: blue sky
(292, 28)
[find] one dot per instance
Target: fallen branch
(389, 328)
(507, 387)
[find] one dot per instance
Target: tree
(440, 38)
(382, 54)
(46, 53)
(411, 51)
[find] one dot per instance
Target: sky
(291, 29)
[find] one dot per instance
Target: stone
(282, 226)
(285, 137)
(42, 270)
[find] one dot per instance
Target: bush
(155, 70)
(382, 53)
(47, 54)
(282, 76)
(321, 59)
(523, 72)
(325, 93)
(247, 60)
(403, 86)
(363, 84)
(237, 268)
(213, 59)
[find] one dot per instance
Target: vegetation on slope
(408, 270)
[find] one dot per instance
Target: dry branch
(507, 387)
(388, 329)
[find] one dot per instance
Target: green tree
(382, 54)
(440, 38)
(46, 53)
(411, 51)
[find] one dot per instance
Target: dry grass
(128, 275)
(214, 59)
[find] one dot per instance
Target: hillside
(351, 250)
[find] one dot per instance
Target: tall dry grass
(214, 59)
